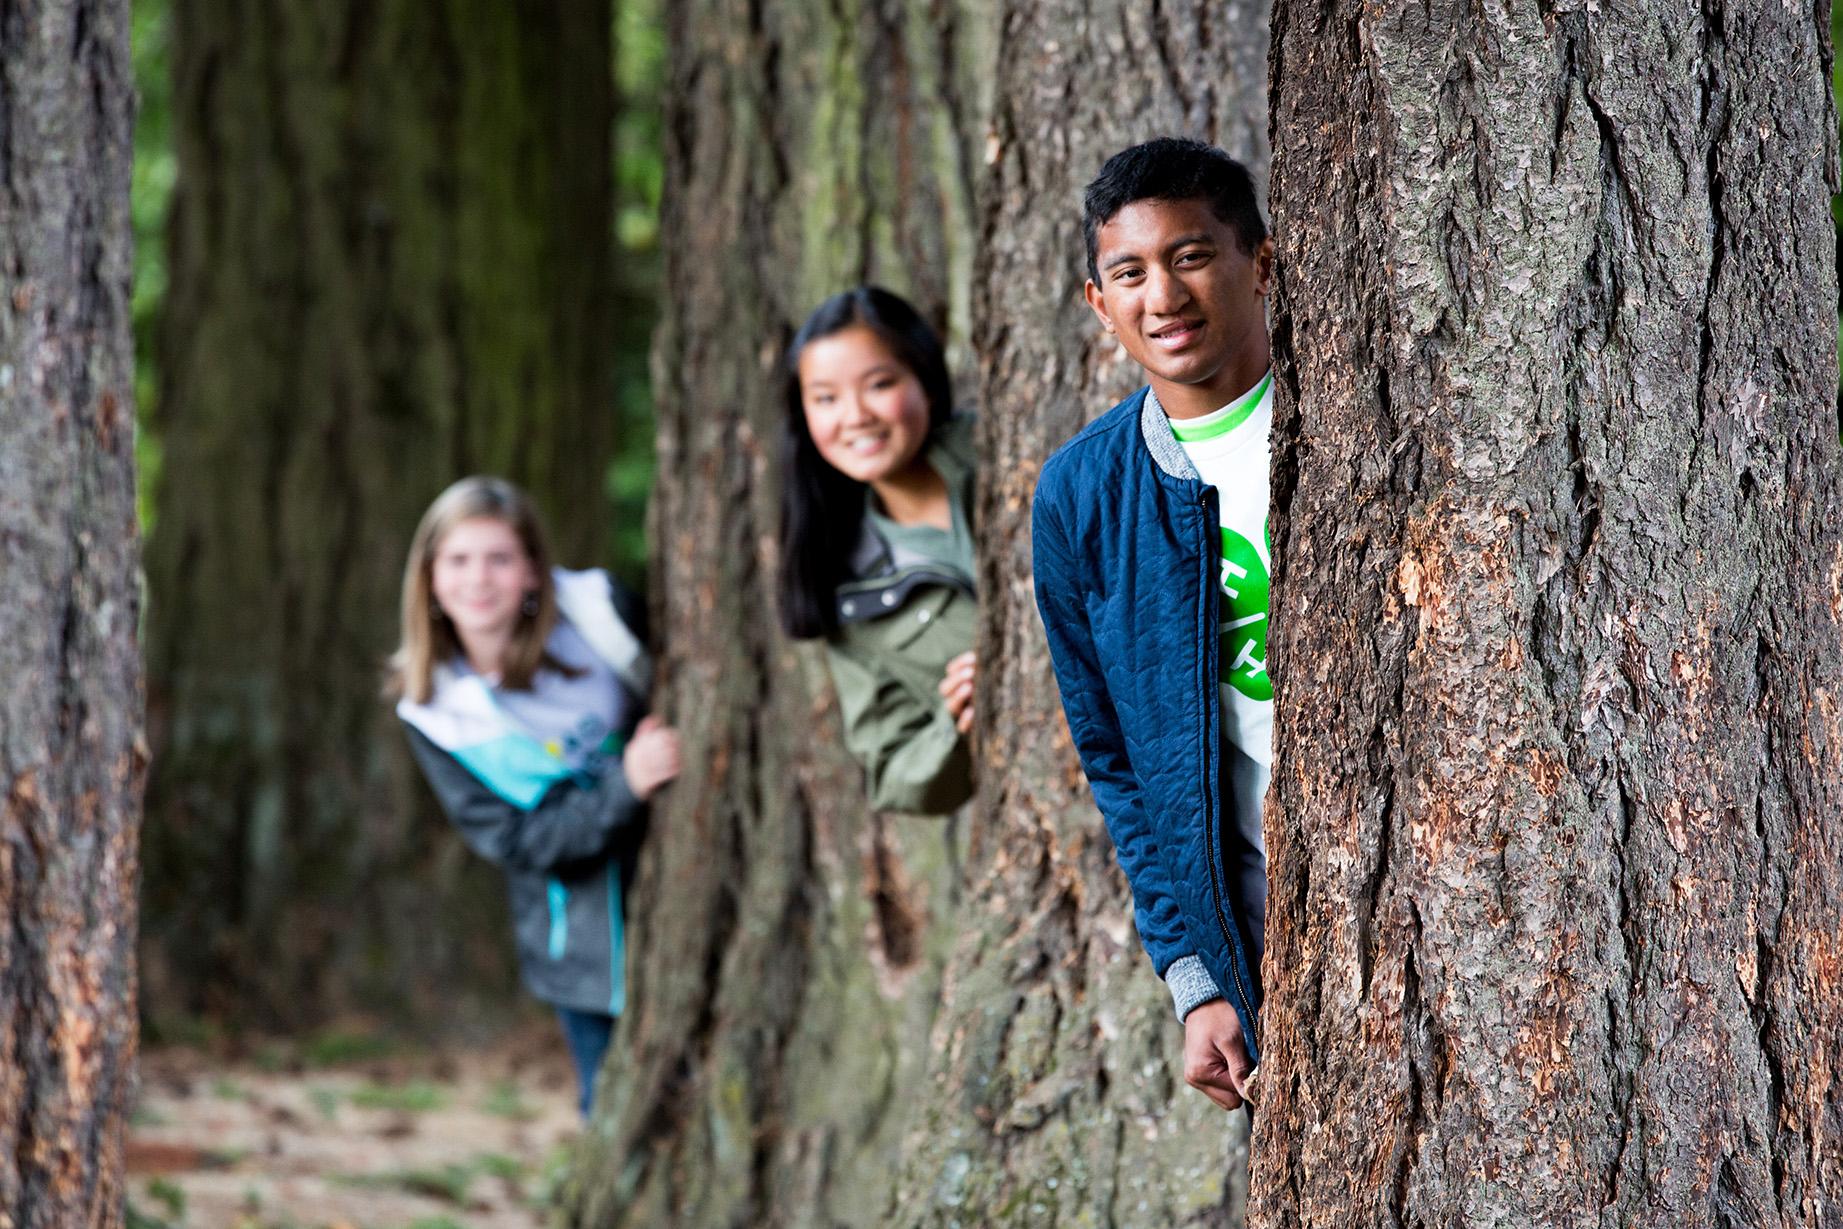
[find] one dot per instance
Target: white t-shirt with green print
(1229, 450)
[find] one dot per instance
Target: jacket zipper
(1211, 784)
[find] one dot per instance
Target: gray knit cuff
(1191, 985)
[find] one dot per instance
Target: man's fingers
(1215, 1084)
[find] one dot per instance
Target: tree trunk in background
(788, 1044)
(787, 944)
(389, 267)
(1553, 932)
(70, 711)
(1056, 1094)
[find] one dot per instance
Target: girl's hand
(957, 690)
(651, 758)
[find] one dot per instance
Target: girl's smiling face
(866, 411)
(480, 575)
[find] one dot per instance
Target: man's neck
(1233, 380)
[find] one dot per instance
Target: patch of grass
(183, 1031)
(436, 1222)
(448, 1183)
(145, 1115)
(338, 1048)
(552, 1175)
(226, 1089)
(506, 1100)
(167, 1194)
(507, 1169)
(137, 1218)
(325, 1100)
(415, 1097)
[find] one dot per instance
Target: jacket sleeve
(630, 608)
(913, 757)
(1095, 728)
(568, 824)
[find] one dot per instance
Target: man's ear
(1092, 294)
(1263, 267)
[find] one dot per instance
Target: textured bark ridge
(390, 267)
(787, 945)
(1056, 1095)
(70, 708)
(1553, 932)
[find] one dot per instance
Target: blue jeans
(588, 1034)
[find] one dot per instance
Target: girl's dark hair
(822, 511)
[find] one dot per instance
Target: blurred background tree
(381, 247)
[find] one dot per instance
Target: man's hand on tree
(1215, 1056)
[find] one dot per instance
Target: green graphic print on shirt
(1244, 621)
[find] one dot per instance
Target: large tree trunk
(1553, 932)
(389, 268)
(787, 943)
(1056, 1096)
(784, 1050)
(70, 710)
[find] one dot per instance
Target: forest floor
(349, 1131)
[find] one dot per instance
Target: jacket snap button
(851, 608)
(889, 599)
(922, 616)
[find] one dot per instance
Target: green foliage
(639, 182)
(156, 169)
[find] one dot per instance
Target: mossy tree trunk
(787, 943)
(837, 1019)
(1557, 881)
(1055, 1096)
(390, 266)
(70, 711)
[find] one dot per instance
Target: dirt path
(345, 1134)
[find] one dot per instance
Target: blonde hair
(428, 637)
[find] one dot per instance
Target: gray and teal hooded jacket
(532, 780)
(907, 612)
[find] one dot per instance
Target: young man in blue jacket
(1151, 563)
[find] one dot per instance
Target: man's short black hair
(1173, 169)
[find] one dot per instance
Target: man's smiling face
(1185, 300)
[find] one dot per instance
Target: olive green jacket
(900, 622)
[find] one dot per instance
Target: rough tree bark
(775, 1068)
(787, 944)
(390, 267)
(70, 711)
(1056, 1097)
(1553, 934)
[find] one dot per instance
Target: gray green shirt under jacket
(908, 612)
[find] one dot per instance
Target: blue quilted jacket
(1125, 539)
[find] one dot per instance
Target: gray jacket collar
(1161, 442)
